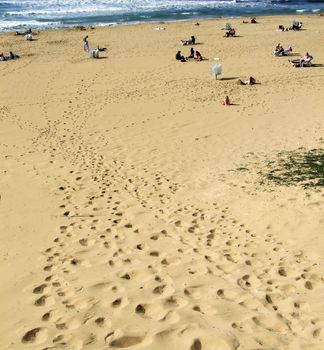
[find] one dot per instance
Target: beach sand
(132, 212)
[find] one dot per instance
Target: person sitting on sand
(2, 57)
(231, 32)
(296, 26)
(279, 49)
(193, 40)
(250, 81)
(198, 56)
(192, 53)
(253, 20)
(226, 101)
(179, 57)
(306, 57)
(86, 47)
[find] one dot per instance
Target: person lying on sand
(28, 31)
(12, 56)
(302, 61)
(250, 81)
(191, 41)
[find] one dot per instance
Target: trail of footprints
(79, 291)
(132, 266)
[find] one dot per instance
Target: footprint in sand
(35, 336)
(126, 342)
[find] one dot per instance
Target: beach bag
(94, 53)
(29, 37)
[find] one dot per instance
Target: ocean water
(39, 14)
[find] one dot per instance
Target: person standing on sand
(226, 101)
(86, 47)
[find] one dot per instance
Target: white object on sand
(216, 70)
(94, 53)
(159, 28)
(216, 58)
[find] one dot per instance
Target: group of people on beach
(294, 26)
(196, 55)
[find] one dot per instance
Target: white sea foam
(17, 25)
(51, 13)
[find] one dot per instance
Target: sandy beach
(136, 211)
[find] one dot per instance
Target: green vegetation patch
(290, 168)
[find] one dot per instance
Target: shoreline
(202, 19)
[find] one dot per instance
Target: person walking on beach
(86, 47)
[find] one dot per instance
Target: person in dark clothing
(198, 56)
(192, 53)
(193, 40)
(231, 32)
(179, 57)
(13, 55)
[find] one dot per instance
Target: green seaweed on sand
(300, 167)
(295, 168)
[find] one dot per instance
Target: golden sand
(124, 223)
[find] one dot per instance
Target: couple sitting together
(280, 51)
